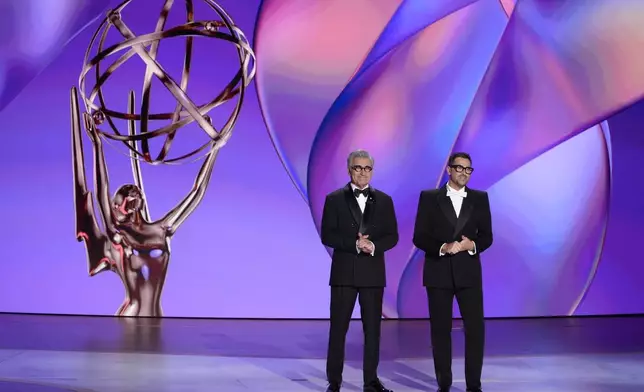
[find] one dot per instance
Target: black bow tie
(357, 192)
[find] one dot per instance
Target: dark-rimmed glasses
(359, 169)
(459, 169)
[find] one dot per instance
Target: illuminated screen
(545, 97)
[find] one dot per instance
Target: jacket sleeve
(425, 237)
(329, 231)
(390, 237)
(484, 237)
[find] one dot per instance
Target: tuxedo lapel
(352, 203)
(369, 211)
(446, 206)
(465, 214)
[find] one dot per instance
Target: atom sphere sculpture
(186, 111)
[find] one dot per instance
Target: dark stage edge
(75, 353)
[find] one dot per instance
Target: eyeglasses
(359, 169)
(459, 169)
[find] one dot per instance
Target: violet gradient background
(318, 94)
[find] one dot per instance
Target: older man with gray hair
(359, 224)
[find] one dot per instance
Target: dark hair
(455, 155)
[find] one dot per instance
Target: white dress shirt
(362, 199)
(457, 202)
(362, 203)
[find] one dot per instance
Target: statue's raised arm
(87, 228)
(101, 178)
(180, 213)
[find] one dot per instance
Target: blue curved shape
(600, 246)
(411, 17)
(17, 69)
(580, 266)
(274, 139)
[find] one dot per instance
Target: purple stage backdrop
(546, 97)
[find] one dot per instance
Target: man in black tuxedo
(453, 227)
(359, 224)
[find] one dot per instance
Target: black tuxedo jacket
(436, 224)
(341, 222)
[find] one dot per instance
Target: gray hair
(359, 154)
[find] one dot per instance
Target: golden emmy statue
(133, 245)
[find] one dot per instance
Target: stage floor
(68, 353)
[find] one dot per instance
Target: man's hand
(451, 248)
(466, 244)
(364, 244)
(455, 247)
(368, 248)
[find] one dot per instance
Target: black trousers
(470, 303)
(343, 299)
